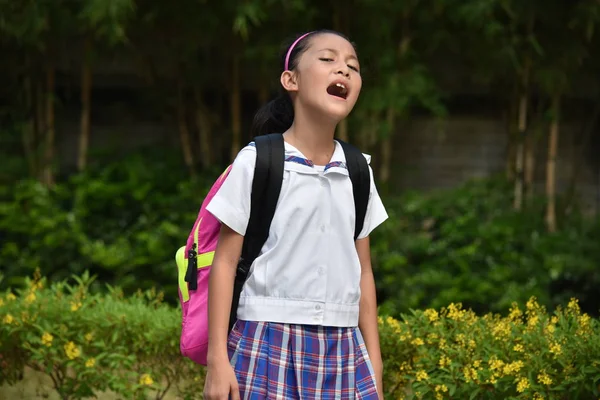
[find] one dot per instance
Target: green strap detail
(205, 259)
(181, 270)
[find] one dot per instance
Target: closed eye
(352, 67)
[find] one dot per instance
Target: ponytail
(274, 117)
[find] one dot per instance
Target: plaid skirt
(284, 361)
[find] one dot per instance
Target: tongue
(336, 91)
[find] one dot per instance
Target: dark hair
(277, 115)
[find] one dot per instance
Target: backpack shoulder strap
(266, 186)
(358, 169)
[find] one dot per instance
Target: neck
(312, 135)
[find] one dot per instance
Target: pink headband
(289, 52)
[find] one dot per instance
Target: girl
(309, 299)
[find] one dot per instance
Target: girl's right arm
(220, 379)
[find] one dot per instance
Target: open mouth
(338, 90)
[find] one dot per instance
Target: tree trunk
(40, 126)
(86, 89)
(184, 132)
(204, 130)
(386, 147)
(511, 130)
(236, 108)
(537, 129)
(48, 175)
(29, 129)
(522, 126)
(551, 165)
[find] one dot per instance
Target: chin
(338, 112)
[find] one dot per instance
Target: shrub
(468, 245)
(528, 354)
(89, 343)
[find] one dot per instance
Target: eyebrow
(336, 52)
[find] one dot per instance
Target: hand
(221, 382)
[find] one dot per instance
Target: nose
(343, 70)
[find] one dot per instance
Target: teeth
(340, 85)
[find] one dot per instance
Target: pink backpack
(194, 260)
(194, 303)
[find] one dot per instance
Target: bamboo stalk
(551, 165)
(86, 89)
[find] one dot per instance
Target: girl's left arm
(367, 320)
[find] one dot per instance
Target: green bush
(528, 354)
(468, 245)
(89, 343)
(123, 222)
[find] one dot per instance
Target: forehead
(330, 41)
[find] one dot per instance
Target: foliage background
(117, 115)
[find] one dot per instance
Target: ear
(288, 81)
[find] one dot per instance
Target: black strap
(266, 186)
(358, 169)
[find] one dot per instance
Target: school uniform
(297, 333)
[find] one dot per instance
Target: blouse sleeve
(376, 213)
(231, 203)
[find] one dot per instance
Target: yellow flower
(515, 312)
(519, 348)
(532, 304)
(573, 306)
(495, 364)
(431, 314)
(88, 337)
(522, 385)
(422, 376)
(30, 298)
(418, 342)
(513, 367)
(72, 350)
(555, 349)
(75, 306)
(8, 319)
(379, 320)
(439, 389)
(442, 344)
(470, 374)
(501, 329)
(532, 321)
(544, 379)
(444, 362)
(455, 311)
(477, 363)
(1, 302)
(146, 380)
(47, 339)
(11, 297)
(394, 324)
(90, 363)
